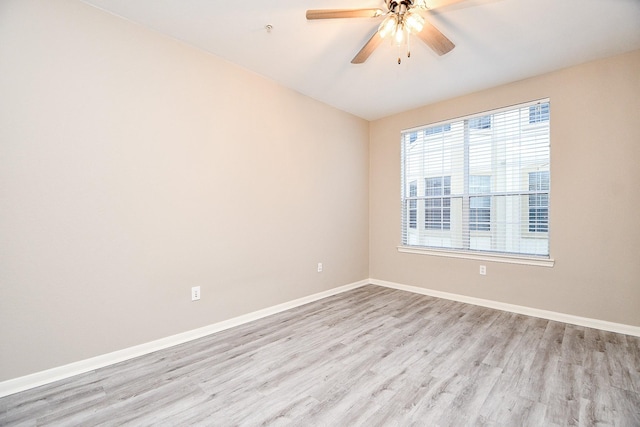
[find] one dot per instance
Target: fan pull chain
(408, 49)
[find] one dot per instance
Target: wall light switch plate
(483, 270)
(195, 293)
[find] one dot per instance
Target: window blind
(479, 183)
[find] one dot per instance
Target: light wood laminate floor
(372, 356)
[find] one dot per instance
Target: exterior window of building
(483, 122)
(437, 129)
(539, 113)
(486, 183)
(437, 211)
(413, 205)
(479, 203)
(539, 202)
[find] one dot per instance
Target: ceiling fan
(401, 19)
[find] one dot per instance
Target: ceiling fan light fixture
(399, 36)
(399, 22)
(414, 22)
(388, 26)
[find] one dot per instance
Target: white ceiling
(497, 41)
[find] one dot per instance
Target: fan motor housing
(399, 7)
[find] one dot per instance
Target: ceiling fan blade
(343, 13)
(367, 49)
(435, 39)
(435, 4)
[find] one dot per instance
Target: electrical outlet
(195, 293)
(319, 267)
(483, 270)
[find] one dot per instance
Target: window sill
(480, 256)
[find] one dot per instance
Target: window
(539, 113)
(486, 183)
(539, 202)
(437, 211)
(480, 122)
(413, 205)
(479, 206)
(437, 129)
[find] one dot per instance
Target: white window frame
(466, 253)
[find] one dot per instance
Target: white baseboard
(535, 312)
(50, 375)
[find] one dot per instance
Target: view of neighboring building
(480, 183)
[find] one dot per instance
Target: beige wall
(595, 198)
(133, 167)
